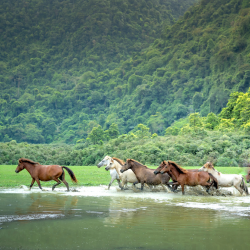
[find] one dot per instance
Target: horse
(226, 180)
(145, 175)
(125, 177)
(113, 173)
(248, 176)
(190, 178)
(174, 187)
(40, 172)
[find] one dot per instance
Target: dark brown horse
(145, 174)
(174, 187)
(184, 177)
(40, 172)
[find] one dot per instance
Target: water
(95, 218)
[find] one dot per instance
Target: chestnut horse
(145, 175)
(184, 177)
(40, 172)
(174, 187)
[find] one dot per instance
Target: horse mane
(180, 169)
(28, 160)
(138, 162)
(210, 165)
(121, 162)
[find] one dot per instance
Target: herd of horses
(206, 176)
(135, 172)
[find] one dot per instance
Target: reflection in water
(127, 221)
(181, 210)
(40, 206)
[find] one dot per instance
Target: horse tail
(244, 186)
(71, 174)
(214, 181)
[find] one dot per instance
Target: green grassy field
(86, 175)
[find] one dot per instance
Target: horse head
(127, 165)
(104, 162)
(165, 167)
(158, 170)
(248, 176)
(208, 166)
(20, 166)
(109, 164)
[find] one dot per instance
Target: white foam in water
(231, 204)
(8, 218)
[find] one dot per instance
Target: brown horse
(248, 176)
(40, 172)
(174, 187)
(184, 177)
(145, 174)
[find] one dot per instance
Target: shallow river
(95, 218)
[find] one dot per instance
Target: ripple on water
(9, 218)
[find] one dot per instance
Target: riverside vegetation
(222, 139)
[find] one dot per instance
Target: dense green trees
(75, 65)
(223, 139)
(69, 62)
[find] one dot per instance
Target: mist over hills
(67, 66)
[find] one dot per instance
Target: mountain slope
(56, 58)
(193, 66)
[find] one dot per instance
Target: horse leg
(164, 188)
(239, 189)
(134, 187)
(142, 186)
(38, 183)
(58, 183)
(174, 188)
(169, 187)
(182, 188)
(66, 184)
(208, 185)
(119, 183)
(62, 178)
(32, 182)
(112, 179)
(125, 184)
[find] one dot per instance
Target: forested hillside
(222, 139)
(74, 65)
(60, 59)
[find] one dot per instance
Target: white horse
(128, 176)
(226, 180)
(113, 173)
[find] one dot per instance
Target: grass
(86, 176)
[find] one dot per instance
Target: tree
(211, 121)
(113, 131)
(195, 120)
(96, 135)
(142, 131)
